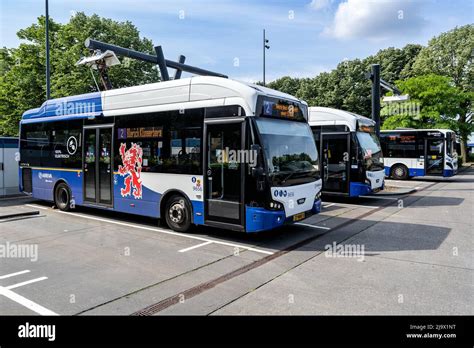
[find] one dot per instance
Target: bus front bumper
(259, 219)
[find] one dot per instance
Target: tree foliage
(439, 77)
(22, 80)
(450, 54)
(347, 86)
(435, 102)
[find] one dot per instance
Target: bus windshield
(371, 150)
(290, 151)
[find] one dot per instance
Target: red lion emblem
(131, 169)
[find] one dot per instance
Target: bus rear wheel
(178, 213)
(399, 172)
(62, 197)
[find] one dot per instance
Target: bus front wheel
(400, 172)
(178, 213)
(62, 197)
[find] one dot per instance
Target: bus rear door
(97, 165)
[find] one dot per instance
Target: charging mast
(377, 85)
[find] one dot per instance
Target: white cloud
(378, 20)
(320, 4)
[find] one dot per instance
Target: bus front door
(434, 156)
(97, 165)
(335, 159)
(224, 174)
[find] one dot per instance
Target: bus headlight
(276, 206)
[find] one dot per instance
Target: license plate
(298, 217)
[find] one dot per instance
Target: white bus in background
(419, 152)
(350, 152)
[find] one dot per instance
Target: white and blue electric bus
(194, 151)
(351, 156)
(419, 152)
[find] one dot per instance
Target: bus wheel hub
(176, 213)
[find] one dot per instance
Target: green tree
(22, 82)
(435, 102)
(286, 84)
(451, 54)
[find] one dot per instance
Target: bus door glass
(97, 165)
(434, 156)
(224, 172)
(335, 159)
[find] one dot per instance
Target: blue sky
(306, 36)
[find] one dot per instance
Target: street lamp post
(48, 87)
(265, 47)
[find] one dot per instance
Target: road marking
(378, 197)
(328, 205)
(25, 302)
(36, 206)
(313, 226)
(14, 274)
(25, 283)
(348, 205)
(168, 232)
(194, 247)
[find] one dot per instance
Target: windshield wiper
(293, 173)
(288, 176)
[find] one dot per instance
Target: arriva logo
(45, 175)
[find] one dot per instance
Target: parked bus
(352, 162)
(419, 152)
(201, 150)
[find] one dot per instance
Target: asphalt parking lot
(406, 254)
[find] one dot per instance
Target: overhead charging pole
(48, 84)
(376, 97)
(377, 85)
(159, 59)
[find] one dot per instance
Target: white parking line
(36, 206)
(194, 247)
(348, 205)
(14, 274)
(25, 302)
(168, 232)
(24, 283)
(328, 205)
(313, 226)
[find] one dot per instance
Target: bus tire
(178, 213)
(399, 172)
(62, 197)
